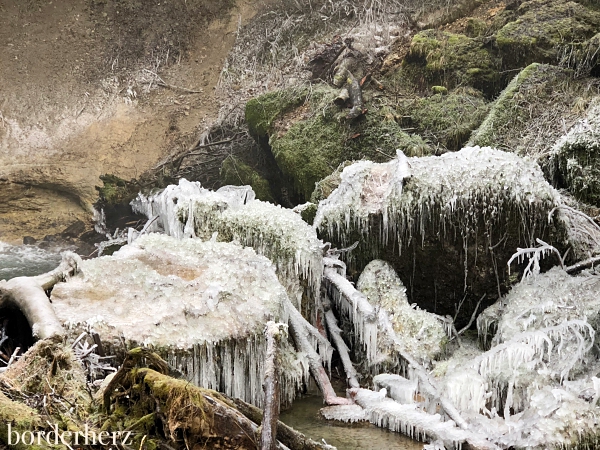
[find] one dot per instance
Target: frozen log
(342, 348)
(285, 434)
(411, 421)
(29, 296)
(358, 308)
(274, 333)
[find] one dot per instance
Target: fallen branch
(162, 83)
(29, 296)
(274, 333)
(581, 265)
(300, 330)
(342, 348)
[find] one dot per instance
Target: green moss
(311, 148)
(236, 172)
(115, 190)
(542, 28)
(476, 27)
(447, 120)
(328, 184)
(21, 418)
(453, 59)
(261, 111)
(532, 102)
(310, 140)
(439, 90)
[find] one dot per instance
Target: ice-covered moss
(448, 224)
(446, 120)
(575, 158)
(420, 333)
(454, 59)
(542, 27)
(275, 232)
(201, 305)
(236, 172)
(521, 119)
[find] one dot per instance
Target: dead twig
(163, 83)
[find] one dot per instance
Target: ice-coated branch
(334, 331)
(362, 312)
(274, 332)
(28, 294)
(535, 254)
(300, 329)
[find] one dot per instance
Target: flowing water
(26, 260)
(304, 417)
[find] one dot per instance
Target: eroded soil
(83, 93)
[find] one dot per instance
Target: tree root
(29, 296)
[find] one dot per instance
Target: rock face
(447, 224)
(201, 305)
(77, 104)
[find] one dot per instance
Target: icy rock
(436, 220)
(574, 157)
(421, 334)
(202, 305)
(188, 210)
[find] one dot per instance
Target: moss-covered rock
(542, 28)
(236, 172)
(448, 59)
(524, 117)
(575, 159)
(261, 111)
(310, 139)
(447, 120)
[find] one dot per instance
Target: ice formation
(421, 334)
(447, 195)
(535, 387)
(202, 305)
(188, 210)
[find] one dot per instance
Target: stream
(304, 417)
(26, 260)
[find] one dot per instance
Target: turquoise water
(304, 417)
(26, 260)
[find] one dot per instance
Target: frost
(188, 210)
(420, 332)
(466, 193)
(201, 305)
